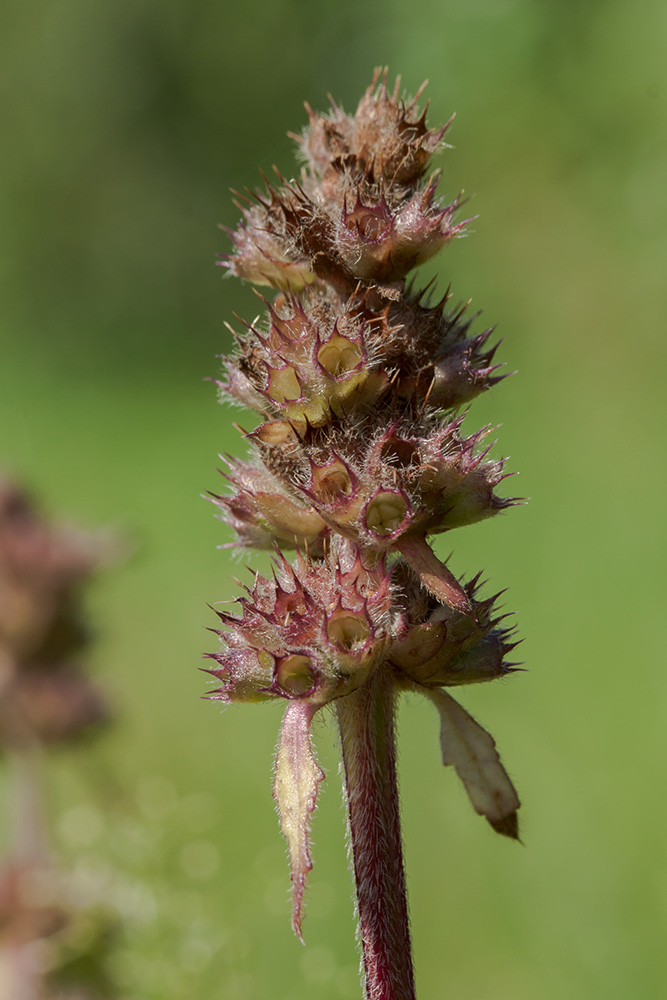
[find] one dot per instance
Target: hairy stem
(366, 720)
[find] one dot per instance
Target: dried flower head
(359, 459)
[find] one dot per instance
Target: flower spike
(361, 381)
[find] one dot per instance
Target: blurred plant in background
(54, 940)
(46, 695)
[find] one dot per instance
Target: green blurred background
(123, 126)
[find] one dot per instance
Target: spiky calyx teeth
(383, 244)
(397, 485)
(440, 646)
(316, 629)
(310, 366)
(401, 483)
(430, 656)
(374, 242)
(438, 362)
(312, 633)
(320, 360)
(262, 512)
(385, 140)
(261, 256)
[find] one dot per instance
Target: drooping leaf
(295, 787)
(471, 751)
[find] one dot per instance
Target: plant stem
(20, 970)
(366, 720)
(26, 819)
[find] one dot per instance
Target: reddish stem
(366, 720)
